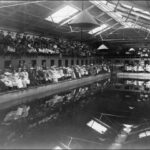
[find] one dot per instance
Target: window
(44, 64)
(52, 63)
(117, 61)
(77, 62)
(147, 62)
(90, 61)
(136, 61)
(33, 63)
(59, 63)
(7, 63)
(97, 126)
(97, 61)
(21, 63)
(82, 62)
(86, 62)
(62, 14)
(72, 62)
(126, 61)
(66, 63)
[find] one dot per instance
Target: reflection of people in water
(143, 97)
(55, 99)
(21, 112)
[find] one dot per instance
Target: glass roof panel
(100, 28)
(97, 126)
(62, 14)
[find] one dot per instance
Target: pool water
(101, 115)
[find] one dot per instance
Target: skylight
(62, 14)
(97, 126)
(109, 9)
(68, 20)
(98, 29)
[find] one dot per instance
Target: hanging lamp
(84, 20)
(131, 49)
(102, 47)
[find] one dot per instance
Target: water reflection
(131, 85)
(19, 121)
(94, 116)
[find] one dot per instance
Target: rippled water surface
(107, 114)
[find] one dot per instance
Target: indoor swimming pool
(113, 113)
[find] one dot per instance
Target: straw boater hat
(7, 73)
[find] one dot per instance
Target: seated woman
(77, 71)
(6, 79)
(69, 71)
(25, 78)
(129, 68)
(14, 79)
(147, 68)
(140, 68)
(46, 75)
(55, 74)
(135, 68)
(147, 85)
(73, 76)
(60, 71)
(19, 77)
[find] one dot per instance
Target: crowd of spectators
(26, 44)
(23, 77)
(137, 67)
(140, 84)
(141, 52)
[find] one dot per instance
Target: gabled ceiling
(130, 29)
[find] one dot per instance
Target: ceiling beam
(7, 16)
(19, 3)
(100, 15)
(116, 6)
(110, 19)
(108, 28)
(127, 40)
(40, 4)
(129, 13)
